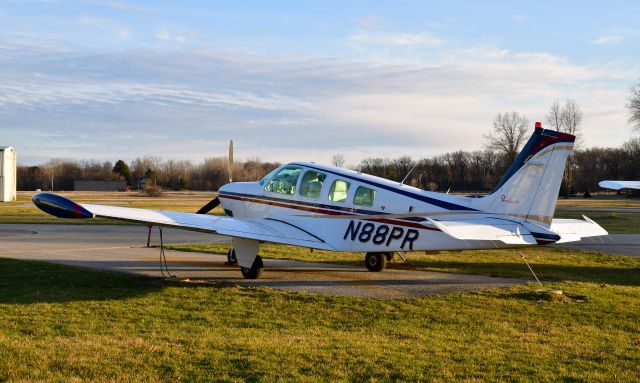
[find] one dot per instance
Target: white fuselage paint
(251, 200)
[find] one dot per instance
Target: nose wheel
(376, 261)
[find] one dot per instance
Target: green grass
(62, 323)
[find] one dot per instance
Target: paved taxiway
(621, 244)
(122, 248)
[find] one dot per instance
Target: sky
(304, 80)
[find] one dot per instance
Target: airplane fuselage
(356, 211)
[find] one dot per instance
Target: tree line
(210, 174)
(460, 171)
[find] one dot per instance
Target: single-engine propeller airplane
(330, 208)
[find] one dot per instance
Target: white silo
(7, 174)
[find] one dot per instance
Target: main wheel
(375, 261)
(254, 271)
(231, 256)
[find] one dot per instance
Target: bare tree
(565, 118)
(572, 119)
(554, 117)
(53, 169)
(634, 106)
(508, 135)
(338, 160)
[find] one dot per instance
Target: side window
(338, 191)
(285, 181)
(311, 184)
(364, 196)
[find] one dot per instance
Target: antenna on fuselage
(230, 161)
(408, 174)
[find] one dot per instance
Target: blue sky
(303, 80)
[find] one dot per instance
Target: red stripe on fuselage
(324, 211)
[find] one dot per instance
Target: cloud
(369, 22)
(607, 40)
(394, 39)
(615, 36)
(186, 103)
(166, 36)
(121, 31)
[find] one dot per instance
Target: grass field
(66, 324)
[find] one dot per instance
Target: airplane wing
(617, 185)
(571, 230)
(264, 229)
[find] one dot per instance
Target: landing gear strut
(254, 271)
(376, 261)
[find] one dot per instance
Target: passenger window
(364, 196)
(311, 184)
(285, 181)
(338, 191)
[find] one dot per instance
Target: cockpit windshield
(285, 181)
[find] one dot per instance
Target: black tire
(231, 256)
(375, 261)
(254, 271)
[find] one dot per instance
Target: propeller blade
(230, 161)
(209, 206)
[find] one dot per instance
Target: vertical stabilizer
(529, 189)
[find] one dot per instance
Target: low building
(8, 168)
(107, 186)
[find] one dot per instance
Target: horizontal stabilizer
(487, 229)
(571, 230)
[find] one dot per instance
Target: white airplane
(330, 208)
(618, 185)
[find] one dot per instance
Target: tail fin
(530, 187)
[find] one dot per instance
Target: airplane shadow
(28, 282)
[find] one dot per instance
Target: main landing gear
(377, 261)
(254, 271)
